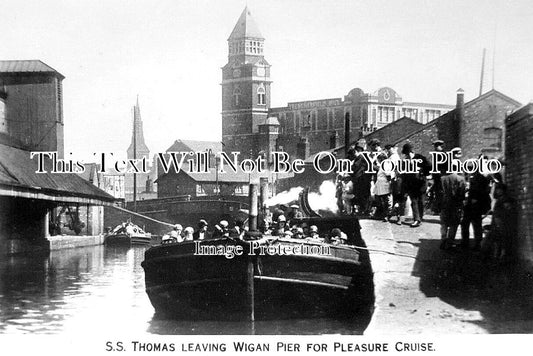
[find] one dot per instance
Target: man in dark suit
(415, 183)
(477, 204)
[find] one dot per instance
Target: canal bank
(421, 289)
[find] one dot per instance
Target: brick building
(174, 184)
(250, 125)
(31, 105)
(477, 126)
(185, 183)
(518, 174)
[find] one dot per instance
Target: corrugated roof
(27, 66)
(246, 27)
(17, 170)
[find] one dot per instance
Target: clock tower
(245, 88)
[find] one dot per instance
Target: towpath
(421, 289)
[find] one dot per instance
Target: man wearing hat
(337, 237)
(175, 234)
(201, 233)
(237, 231)
(221, 229)
(415, 184)
(374, 145)
(281, 227)
(294, 213)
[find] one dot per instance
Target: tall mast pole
(482, 72)
(134, 157)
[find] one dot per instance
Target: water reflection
(101, 290)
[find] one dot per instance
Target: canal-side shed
(42, 211)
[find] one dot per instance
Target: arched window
(236, 96)
(261, 97)
(492, 138)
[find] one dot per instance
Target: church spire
(141, 148)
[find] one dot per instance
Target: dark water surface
(101, 289)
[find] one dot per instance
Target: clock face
(236, 73)
(260, 71)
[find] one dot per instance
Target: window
(261, 97)
(492, 138)
(241, 190)
(200, 190)
(236, 96)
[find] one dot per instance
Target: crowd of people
(460, 199)
(383, 194)
(280, 227)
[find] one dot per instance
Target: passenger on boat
(188, 234)
(237, 232)
(129, 229)
(281, 227)
(313, 234)
(174, 235)
(299, 233)
(294, 229)
(278, 211)
(264, 227)
(201, 233)
(294, 213)
(338, 237)
(221, 229)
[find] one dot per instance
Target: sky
(170, 54)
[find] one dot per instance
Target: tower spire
(137, 137)
(245, 39)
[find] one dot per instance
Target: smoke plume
(325, 198)
(285, 197)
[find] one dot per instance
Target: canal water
(101, 290)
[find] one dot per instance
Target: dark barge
(183, 284)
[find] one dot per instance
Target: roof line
(481, 97)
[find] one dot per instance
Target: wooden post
(252, 216)
(250, 289)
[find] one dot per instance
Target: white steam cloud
(325, 198)
(285, 197)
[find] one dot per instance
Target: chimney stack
(459, 115)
